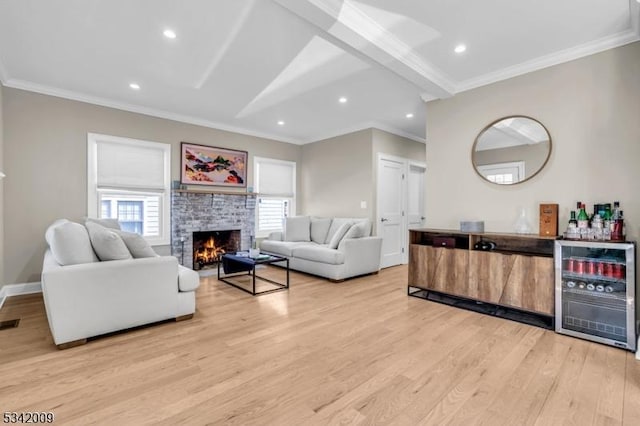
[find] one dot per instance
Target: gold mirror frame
(489, 126)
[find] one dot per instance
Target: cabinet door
(439, 269)
(530, 285)
(523, 282)
(488, 275)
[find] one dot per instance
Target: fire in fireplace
(208, 246)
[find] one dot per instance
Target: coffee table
(235, 266)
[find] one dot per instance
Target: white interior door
(391, 222)
(415, 197)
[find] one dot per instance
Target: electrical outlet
(363, 204)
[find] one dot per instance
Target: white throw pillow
(297, 228)
(358, 230)
(336, 223)
(69, 243)
(320, 229)
(106, 242)
(137, 245)
(107, 223)
(340, 233)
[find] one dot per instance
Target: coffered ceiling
(277, 68)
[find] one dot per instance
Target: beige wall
(337, 175)
(340, 172)
(45, 150)
(387, 143)
(590, 107)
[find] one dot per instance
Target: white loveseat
(334, 248)
(87, 297)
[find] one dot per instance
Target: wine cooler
(595, 291)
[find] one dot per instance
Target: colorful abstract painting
(208, 165)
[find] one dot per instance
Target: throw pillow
(297, 228)
(137, 245)
(358, 230)
(340, 233)
(107, 223)
(319, 229)
(336, 223)
(69, 243)
(107, 243)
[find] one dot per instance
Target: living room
(350, 346)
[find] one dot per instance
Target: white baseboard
(18, 290)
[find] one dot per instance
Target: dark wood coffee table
(235, 266)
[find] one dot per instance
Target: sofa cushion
(136, 244)
(319, 253)
(339, 234)
(319, 229)
(106, 242)
(69, 243)
(359, 229)
(336, 223)
(297, 228)
(107, 223)
(282, 248)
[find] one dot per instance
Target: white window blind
(276, 178)
(129, 180)
(275, 182)
(130, 165)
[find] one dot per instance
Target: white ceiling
(244, 65)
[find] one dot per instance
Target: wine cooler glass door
(594, 292)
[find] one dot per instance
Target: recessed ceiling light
(460, 48)
(342, 100)
(169, 33)
(280, 123)
(134, 86)
(410, 115)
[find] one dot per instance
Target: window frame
(256, 183)
(93, 197)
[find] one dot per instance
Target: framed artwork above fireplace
(208, 165)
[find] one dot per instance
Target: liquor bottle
(617, 223)
(600, 288)
(583, 218)
(573, 223)
(591, 287)
(571, 284)
(581, 285)
(607, 216)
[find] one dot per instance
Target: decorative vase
(522, 224)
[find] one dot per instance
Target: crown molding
(597, 46)
(364, 126)
(96, 100)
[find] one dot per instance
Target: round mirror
(511, 150)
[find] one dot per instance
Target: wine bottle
(573, 223)
(600, 288)
(581, 285)
(591, 287)
(583, 218)
(571, 284)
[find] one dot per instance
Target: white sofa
(85, 296)
(334, 248)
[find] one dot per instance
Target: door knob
(384, 219)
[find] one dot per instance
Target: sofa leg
(72, 344)
(184, 317)
(336, 281)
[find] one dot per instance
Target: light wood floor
(357, 352)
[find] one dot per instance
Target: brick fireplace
(208, 246)
(194, 213)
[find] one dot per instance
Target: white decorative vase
(522, 224)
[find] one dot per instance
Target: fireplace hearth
(208, 246)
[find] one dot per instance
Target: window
(275, 182)
(129, 180)
(503, 173)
